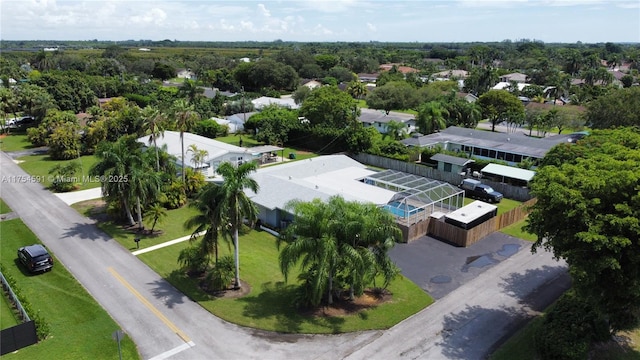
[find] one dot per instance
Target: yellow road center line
(149, 305)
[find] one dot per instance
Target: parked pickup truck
(477, 190)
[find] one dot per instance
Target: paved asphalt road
(465, 324)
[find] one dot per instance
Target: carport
(508, 174)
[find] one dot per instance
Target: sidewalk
(78, 196)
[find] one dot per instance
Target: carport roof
(509, 171)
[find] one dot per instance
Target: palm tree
(357, 89)
(470, 114)
(185, 117)
(431, 117)
(152, 124)
(235, 203)
(190, 90)
(156, 212)
(211, 219)
(396, 129)
(198, 156)
(310, 243)
(144, 186)
(116, 162)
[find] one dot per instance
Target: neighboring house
(144, 49)
(312, 84)
(218, 152)
(236, 121)
(450, 75)
(368, 78)
(245, 59)
(505, 85)
(402, 69)
(454, 164)
(261, 102)
(210, 93)
(508, 174)
(517, 77)
(468, 96)
(185, 74)
(378, 119)
(512, 148)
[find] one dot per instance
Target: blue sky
(323, 20)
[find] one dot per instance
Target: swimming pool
(402, 210)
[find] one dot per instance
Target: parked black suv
(35, 258)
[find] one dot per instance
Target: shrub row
(42, 327)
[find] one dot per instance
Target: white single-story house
(505, 85)
(312, 84)
(185, 74)
(263, 101)
(378, 119)
(410, 198)
(217, 151)
(517, 77)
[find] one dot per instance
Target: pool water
(401, 210)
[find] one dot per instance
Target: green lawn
(38, 166)
(79, 327)
(14, 142)
(171, 227)
(520, 346)
(4, 208)
(7, 317)
(503, 206)
(515, 230)
(269, 304)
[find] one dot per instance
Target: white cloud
(263, 10)
(371, 27)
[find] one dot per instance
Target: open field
(80, 329)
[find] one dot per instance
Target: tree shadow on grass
(469, 334)
(276, 301)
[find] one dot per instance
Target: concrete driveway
(439, 268)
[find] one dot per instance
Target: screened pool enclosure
(416, 197)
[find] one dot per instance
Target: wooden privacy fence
(461, 237)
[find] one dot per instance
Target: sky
(566, 21)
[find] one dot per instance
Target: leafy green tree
(498, 104)
(588, 213)
(236, 204)
(190, 90)
(274, 123)
(431, 117)
(64, 176)
(64, 141)
(301, 94)
(619, 108)
(163, 71)
(397, 95)
(329, 106)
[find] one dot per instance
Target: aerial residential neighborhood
(320, 180)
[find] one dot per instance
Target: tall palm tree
(185, 117)
(470, 114)
(236, 204)
(152, 125)
(198, 156)
(144, 187)
(156, 212)
(431, 117)
(211, 219)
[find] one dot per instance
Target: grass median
(79, 327)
